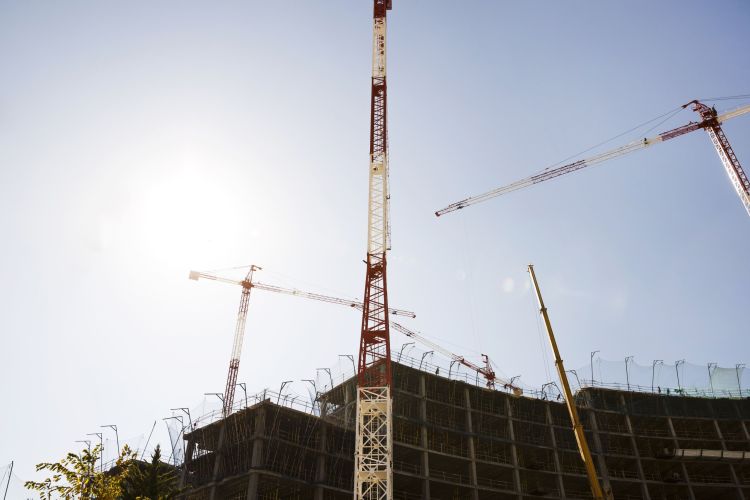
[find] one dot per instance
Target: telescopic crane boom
(710, 122)
(583, 446)
(239, 333)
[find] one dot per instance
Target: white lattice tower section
(374, 444)
(374, 435)
(377, 235)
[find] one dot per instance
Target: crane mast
(239, 335)
(374, 426)
(726, 153)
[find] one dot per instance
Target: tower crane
(485, 371)
(248, 284)
(710, 121)
(373, 461)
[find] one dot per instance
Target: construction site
(392, 425)
(400, 430)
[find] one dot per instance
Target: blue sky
(140, 140)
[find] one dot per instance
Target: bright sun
(181, 215)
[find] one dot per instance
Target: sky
(140, 140)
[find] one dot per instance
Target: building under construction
(418, 435)
(457, 440)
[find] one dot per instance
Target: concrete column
(597, 445)
(634, 444)
(676, 445)
(349, 403)
(733, 474)
(424, 441)
(744, 429)
(513, 450)
(257, 458)
(320, 465)
(719, 433)
(472, 455)
(558, 467)
(186, 464)
(218, 461)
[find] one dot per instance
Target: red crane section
(373, 467)
(239, 335)
(374, 351)
(731, 164)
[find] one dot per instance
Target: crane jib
(559, 171)
(710, 121)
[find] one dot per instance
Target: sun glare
(184, 215)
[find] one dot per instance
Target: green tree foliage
(75, 477)
(154, 480)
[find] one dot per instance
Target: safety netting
(678, 377)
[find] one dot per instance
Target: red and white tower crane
(239, 332)
(710, 121)
(373, 473)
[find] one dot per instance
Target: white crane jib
(710, 121)
(239, 333)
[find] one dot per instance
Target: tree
(75, 477)
(154, 480)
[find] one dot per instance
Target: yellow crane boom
(583, 446)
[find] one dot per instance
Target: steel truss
(374, 428)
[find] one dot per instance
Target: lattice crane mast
(710, 122)
(373, 461)
(485, 371)
(239, 333)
